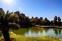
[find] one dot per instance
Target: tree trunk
(6, 35)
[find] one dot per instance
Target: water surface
(38, 32)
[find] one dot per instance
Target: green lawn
(24, 38)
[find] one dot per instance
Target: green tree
(51, 22)
(55, 20)
(59, 21)
(41, 18)
(32, 21)
(37, 21)
(26, 22)
(47, 22)
(5, 24)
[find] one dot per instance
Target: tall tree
(41, 18)
(55, 20)
(5, 24)
(59, 21)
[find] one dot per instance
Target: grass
(26, 38)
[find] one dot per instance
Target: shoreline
(59, 27)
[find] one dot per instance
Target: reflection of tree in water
(37, 29)
(21, 31)
(57, 31)
(46, 29)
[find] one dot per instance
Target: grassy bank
(24, 38)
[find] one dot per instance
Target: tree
(37, 20)
(55, 20)
(32, 21)
(47, 22)
(59, 21)
(32, 17)
(42, 22)
(17, 12)
(51, 22)
(26, 22)
(41, 18)
(5, 24)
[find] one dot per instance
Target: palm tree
(6, 23)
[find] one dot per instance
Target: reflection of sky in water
(32, 34)
(50, 32)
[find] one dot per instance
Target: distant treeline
(25, 21)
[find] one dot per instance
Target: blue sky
(35, 8)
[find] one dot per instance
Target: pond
(38, 32)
